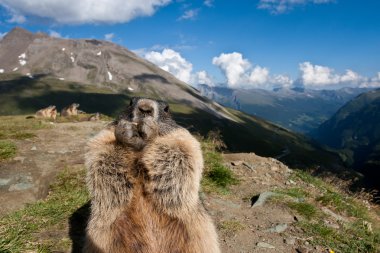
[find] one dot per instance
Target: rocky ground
(26, 177)
(252, 216)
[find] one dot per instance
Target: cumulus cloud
(234, 67)
(373, 82)
(109, 36)
(17, 18)
(317, 76)
(240, 73)
(282, 6)
(202, 77)
(84, 11)
(189, 14)
(55, 34)
(172, 62)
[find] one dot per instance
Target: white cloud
(189, 14)
(109, 36)
(240, 73)
(209, 3)
(172, 62)
(373, 82)
(202, 77)
(55, 34)
(259, 75)
(17, 18)
(2, 35)
(282, 81)
(316, 76)
(83, 11)
(281, 6)
(233, 66)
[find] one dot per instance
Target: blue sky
(245, 43)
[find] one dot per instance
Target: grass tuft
(216, 177)
(7, 150)
(231, 226)
(307, 210)
(343, 204)
(24, 229)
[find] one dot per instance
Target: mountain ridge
(102, 76)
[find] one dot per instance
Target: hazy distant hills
(355, 129)
(296, 109)
(38, 70)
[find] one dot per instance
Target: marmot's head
(74, 105)
(142, 120)
(140, 108)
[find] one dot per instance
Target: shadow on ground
(77, 227)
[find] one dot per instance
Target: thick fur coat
(146, 201)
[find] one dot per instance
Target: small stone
(20, 187)
(290, 241)
(279, 228)
(19, 158)
(4, 181)
(236, 163)
(274, 168)
(334, 215)
(261, 199)
(265, 245)
(302, 250)
(34, 148)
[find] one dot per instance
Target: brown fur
(94, 117)
(70, 110)
(48, 112)
(146, 200)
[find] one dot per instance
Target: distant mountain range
(38, 70)
(355, 130)
(297, 109)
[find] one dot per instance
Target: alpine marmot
(48, 112)
(143, 177)
(70, 110)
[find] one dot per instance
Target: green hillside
(22, 95)
(355, 130)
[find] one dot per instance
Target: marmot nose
(146, 109)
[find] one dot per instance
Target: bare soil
(26, 178)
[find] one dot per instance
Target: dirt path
(27, 176)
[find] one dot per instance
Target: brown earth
(241, 227)
(26, 178)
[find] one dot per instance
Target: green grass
(19, 128)
(7, 150)
(216, 177)
(231, 226)
(309, 211)
(343, 204)
(25, 229)
(294, 192)
(353, 238)
(353, 235)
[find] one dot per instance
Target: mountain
(355, 130)
(300, 110)
(38, 70)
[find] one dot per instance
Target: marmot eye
(166, 109)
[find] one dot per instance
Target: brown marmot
(48, 112)
(143, 177)
(70, 110)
